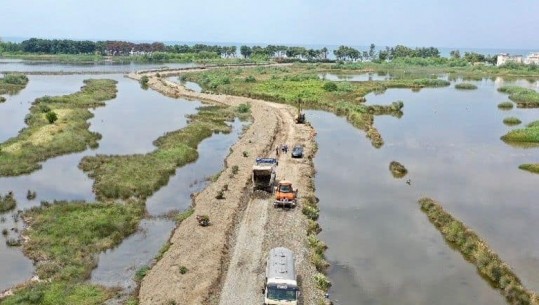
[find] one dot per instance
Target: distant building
(532, 58)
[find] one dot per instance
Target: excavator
(300, 118)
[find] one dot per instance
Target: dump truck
(285, 195)
(281, 287)
(264, 174)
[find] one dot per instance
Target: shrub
(322, 282)
(183, 269)
(2, 99)
(245, 154)
(465, 86)
(311, 212)
(330, 86)
(144, 81)
(13, 242)
(511, 121)
(220, 195)
(141, 273)
(505, 105)
(51, 117)
(235, 169)
(7, 202)
(250, 79)
(244, 108)
(184, 215)
(31, 195)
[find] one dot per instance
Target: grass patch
(532, 168)
(140, 175)
(7, 202)
(477, 252)
(322, 282)
(141, 273)
(65, 237)
(397, 170)
(523, 97)
(67, 133)
(523, 135)
(465, 86)
(511, 121)
(12, 83)
(505, 105)
(59, 293)
(184, 215)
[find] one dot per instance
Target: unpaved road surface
(226, 261)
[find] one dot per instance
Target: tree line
(342, 53)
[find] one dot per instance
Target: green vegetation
(141, 273)
(310, 207)
(530, 134)
(2, 99)
(511, 121)
(465, 86)
(477, 252)
(67, 133)
(144, 81)
(322, 282)
(505, 105)
(397, 170)
(184, 215)
(59, 293)
(524, 98)
(64, 237)
(532, 168)
(290, 84)
(183, 270)
(7, 202)
(140, 175)
(12, 84)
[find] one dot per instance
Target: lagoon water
(382, 248)
(129, 124)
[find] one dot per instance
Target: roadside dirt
(226, 261)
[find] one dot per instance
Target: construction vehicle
(281, 284)
(300, 118)
(264, 174)
(285, 195)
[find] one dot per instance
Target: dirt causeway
(226, 260)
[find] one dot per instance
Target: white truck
(281, 284)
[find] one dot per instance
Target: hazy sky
(470, 23)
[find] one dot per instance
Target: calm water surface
(129, 124)
(114, 269)
(382, 248)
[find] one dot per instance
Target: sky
(512, 24)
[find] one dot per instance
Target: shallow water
(357, 77)
(129, 124)
(382, 248)
(20, 65)
(189, 85)
(140, 249)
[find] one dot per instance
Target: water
(113, 268)
(20, 65)
(129, 124)
(189, 85)
(361, 77)
(382, 248)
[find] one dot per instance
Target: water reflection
(129, 124)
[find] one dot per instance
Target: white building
(532, 58)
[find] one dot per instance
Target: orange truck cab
(285, 195)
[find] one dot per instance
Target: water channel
(129, 124)
(382, 248)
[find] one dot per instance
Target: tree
(246, 51)
(51, 116)
(371, 51)
(455, 54)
